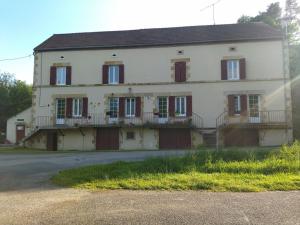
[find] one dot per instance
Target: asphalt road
(27, 197)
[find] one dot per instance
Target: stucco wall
(275, 137)
(22, 118)
(38, 141)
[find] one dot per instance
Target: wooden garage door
(174, 138)
(241, 137)
(52, 141)
(20, 133)
(107, 139)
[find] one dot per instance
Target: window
(233, 69)
(254, 105)
(130, 135)
(130, 107)
(113, 107)
(237, 104)
(162, 107)
(61, 75)
(113, 74)
(77, 107)
(180, 106)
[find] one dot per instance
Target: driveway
(27, 197)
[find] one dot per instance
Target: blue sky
(25, 24)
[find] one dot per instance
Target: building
(164, 88)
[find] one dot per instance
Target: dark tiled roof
(160, 37)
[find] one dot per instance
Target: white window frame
(180, 99)
(77, 107)
(237, 108)
(113, 74)
(167, 105)
(233, 69)
(61, 75)
(117, 107)
(132, 106)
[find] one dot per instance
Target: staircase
(209, 138)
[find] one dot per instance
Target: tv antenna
(213, 9)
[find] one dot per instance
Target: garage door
(241, 137)
(174, 138)
(107, 139)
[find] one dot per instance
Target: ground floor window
(180, 106)
(130, 107)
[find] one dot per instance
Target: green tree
(292, 11)
(15, 96)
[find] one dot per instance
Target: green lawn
(226, 170)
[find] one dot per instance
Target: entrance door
(254, 113)
(162, 109)
(107, 139)
(52, 141)
(20, 132)
(170, 138)
(60, 110)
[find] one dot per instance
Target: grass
(226, 170)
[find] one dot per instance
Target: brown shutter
(105, 74)
(52, 75)
(138, 106)
(121, 73)
(180, 71)
(189, 106)
(121, 107)
(244, 105)
(84, 107)
(68, 75)
(242, 69)
(230, 105)
(171, 106)
(224, 70)
(69, 107)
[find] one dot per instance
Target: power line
(22, 57)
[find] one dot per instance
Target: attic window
(232, 49)
(180, 52)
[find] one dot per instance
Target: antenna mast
(213, 9)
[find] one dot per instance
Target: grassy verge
(227, 170)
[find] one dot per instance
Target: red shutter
(68, 75)
(171, 106)
(224, 70)
(244, 105)
(121, 107)
(52, 75)
(231, 105)
(189, 106)
(69, 107)
(121, 73)
(138, 106)
(105, 74)
(180, 71)
(242, 69)
(84, 107)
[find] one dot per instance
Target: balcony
(260, 119)
(147, 119)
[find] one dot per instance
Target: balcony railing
(272, 117)
(146, 119)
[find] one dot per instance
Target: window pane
(113, 107)
(61, 75)
(113, 74)
(163, 107)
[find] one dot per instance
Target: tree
(271, 16)
(292, 11)
(15, 96)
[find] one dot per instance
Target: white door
(60, 111)
(254, 109)
(162, 109)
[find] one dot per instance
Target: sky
(25, 24)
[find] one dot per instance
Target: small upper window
(180, 106)
(77, 107)
(233, 69)
(237, 104)
(113, 74)
(61, 75)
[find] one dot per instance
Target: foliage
(15, 96)
(226, 170)
(294, 51)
